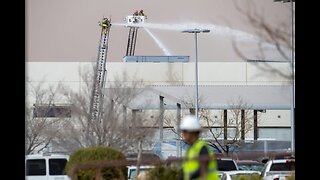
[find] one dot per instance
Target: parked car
(132, 171)
(279, 169)
(46, 167)
(250, 165)
(235, 175)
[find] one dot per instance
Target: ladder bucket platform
(135, 20)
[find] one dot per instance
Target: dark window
(36, 167)
(51, 111)
(57, 166)
(288, 166)
(226, 165)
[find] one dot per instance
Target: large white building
(262, 86)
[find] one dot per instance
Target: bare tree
(279, 36)
(43, 120)
(211, 120)
(117, 126)
(241, 120)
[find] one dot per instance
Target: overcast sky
(67, 30)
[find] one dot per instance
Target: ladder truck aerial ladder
(96, 103)
(133, 21)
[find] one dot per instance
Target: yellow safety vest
(191, 166)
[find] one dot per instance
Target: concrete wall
(210, 73)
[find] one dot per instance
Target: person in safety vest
(196, 169)
(105, 24)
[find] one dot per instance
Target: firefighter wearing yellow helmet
(194, 169)
(105, 24)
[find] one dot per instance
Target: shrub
(163, 173)
(96, 154)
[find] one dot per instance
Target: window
(133, 173)
(57, 166)
(231, 132)
(217, 131)
(226, 165)
(288, 166)
(36, 167)
(251, 167)
(277, 133)
(51, 111)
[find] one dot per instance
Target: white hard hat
(190, 123)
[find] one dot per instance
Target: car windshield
(226, 165)
(251, 167)
(133, 173)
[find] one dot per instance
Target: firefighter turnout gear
(105, 24)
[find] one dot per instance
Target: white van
(46, 167)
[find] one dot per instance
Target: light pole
(292, 79)
(196, 31)
(292, 75)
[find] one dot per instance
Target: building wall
(210, 73)
(272, 123)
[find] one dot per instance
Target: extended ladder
(132, 39)
(96, 103)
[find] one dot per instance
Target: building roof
(215, 97)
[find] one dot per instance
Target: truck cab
(46, 167)
(278, 169)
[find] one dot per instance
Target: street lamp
(292, 80)
(196, 31)
(292, 75)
